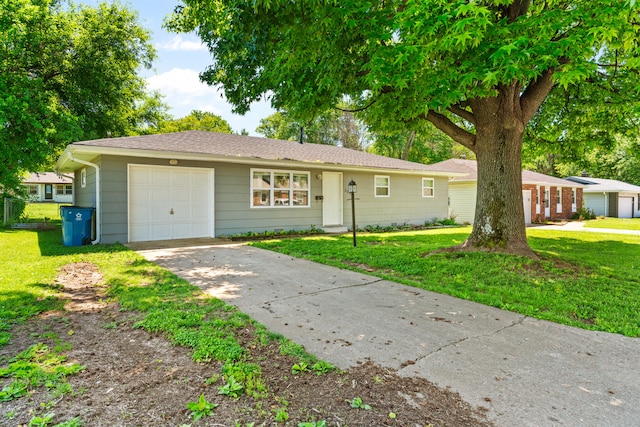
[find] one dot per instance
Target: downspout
(606, 204)
(98, 215)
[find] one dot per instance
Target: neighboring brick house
(544, 197)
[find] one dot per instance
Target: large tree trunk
(499, 126)
(499, 218)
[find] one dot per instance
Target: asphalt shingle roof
(600, 185)
(47, 178)
(240, 146)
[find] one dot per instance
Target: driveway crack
(461, 340)
(337, 288)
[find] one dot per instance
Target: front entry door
(547, 203)
(48, 191)
(526, 204)
(332, 199)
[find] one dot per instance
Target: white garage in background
(170, 202)
(610, 197)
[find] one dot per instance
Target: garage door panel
(156, 191)
(625, 207)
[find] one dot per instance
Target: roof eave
(64, 163)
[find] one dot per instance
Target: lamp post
(352, 189)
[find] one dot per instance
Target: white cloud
(180, 44)
(184, 92)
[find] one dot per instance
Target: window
(32, 190)
(64, 189)
(427, 187)
(83, 178)
(573, 196)
(279, 188)
(382, 186)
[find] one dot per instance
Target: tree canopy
(478, 71)
(196, 120)
(67, 73)
(331, 127)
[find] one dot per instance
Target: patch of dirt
(135, 378)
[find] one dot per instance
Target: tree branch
(535, 95)
(447, 126)
(461, 112)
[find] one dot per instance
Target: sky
(180, 59)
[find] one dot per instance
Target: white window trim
(574, 199)
(83, 178)
(432, 187)
(376, 186)
(272, 204)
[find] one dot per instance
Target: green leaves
(66, 73)
(201, 408)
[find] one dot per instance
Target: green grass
(615, 223)
(166, 304)
(42, 212)
(586, 280)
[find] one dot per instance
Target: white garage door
(170, 203)
(625, 207)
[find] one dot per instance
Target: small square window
(382, 186)
(427, 187)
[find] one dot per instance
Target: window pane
(382, 181)
(261, 198)
(281, 180)
(60, 189)
(300, 181)
(281, 197)
(382, 191)
(427, 192)
(69, 189)
(301, 198)
(261, 180)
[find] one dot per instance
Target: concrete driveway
(527, 372)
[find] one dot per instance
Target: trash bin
(76, 225)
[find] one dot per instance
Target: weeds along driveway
(526, 371)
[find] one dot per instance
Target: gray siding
(232, 199)
(85, 197)
(405, 204)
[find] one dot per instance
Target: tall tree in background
(196, 120)
(331, 127)
(426, 145)
(586, 128)
(479, 71)
(67, 73)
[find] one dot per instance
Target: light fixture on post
(352, 189)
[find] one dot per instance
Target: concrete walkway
(579, 226)
(527, 372)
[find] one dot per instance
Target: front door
(48, 191)
(526, 204)
(332, 199)
(547, 203)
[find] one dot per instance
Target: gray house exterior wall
(232, 198)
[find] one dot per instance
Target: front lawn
(234, 372)
(587, 280)
(615, 223)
